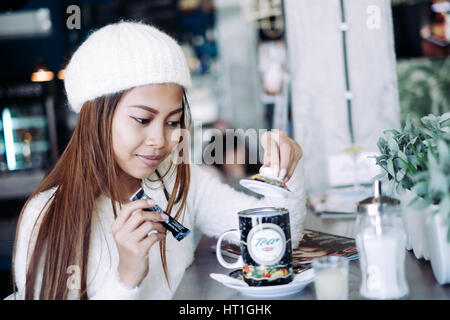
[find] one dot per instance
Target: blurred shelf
(36, 147)
(29, 122)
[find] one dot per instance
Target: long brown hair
(85, 170)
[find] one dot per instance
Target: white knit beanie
(121, 56)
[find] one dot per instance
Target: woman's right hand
(131, 232)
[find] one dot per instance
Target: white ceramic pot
(439, 247)
(415, 226)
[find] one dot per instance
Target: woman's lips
(150, 161)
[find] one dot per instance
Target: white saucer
(298, 284)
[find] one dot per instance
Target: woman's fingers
(148, 228)
(148, 241)
(132, 227)
(139, 217)
(286, 159)
(128, 209)
(281, 153)
(296, 153)
(271, 151)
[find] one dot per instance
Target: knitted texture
(121, 56)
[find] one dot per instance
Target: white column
(239, 76)
(316, 61)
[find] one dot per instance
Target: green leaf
(393, 145)
(381, 144)
(390, 168)
(429, 133)
(444, 120)
(427, 122)
(401, 174)
(390, 189)
(419, 203)
(399, 188)
(402, 156)
(445, 123)
(378, 177)
(410, 165)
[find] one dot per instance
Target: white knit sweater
(211, 209)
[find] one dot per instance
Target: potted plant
(416, 162)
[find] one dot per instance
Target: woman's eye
(174, 123)
(141, 120)
(146, 121)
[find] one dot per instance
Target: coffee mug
(265, 243)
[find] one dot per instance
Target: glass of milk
(331, 277)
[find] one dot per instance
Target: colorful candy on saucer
(266, 183)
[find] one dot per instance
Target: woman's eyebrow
(154, 110)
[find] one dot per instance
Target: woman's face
(146, 127)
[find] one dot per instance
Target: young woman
(79, 236)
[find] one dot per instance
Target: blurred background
(332, 73)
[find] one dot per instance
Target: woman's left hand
(281, 153)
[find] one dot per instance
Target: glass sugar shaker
(381, 239)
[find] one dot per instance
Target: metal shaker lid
(378, 203)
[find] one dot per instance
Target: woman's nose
(156, 136)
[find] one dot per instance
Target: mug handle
(238, 264)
